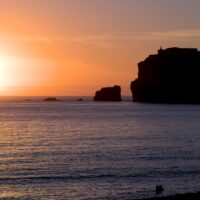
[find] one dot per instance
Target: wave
(99, 177)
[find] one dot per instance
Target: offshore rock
(171, 76)
(52, 99)
(109, 94)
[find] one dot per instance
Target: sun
(3, 75)
(6, 78)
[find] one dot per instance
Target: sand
(187, 196)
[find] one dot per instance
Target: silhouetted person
(159, 189)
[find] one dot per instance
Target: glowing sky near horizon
(74, 47)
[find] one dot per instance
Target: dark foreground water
(86, 150)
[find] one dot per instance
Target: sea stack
(171, 76)
(109, 94)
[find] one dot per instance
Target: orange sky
(74, 47)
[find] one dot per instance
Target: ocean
(71, 150)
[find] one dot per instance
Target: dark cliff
(108, 94)
(171, 76)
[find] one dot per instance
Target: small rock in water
(51, 99)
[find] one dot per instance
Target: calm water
(86, 150)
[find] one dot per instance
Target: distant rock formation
(171, 76)
(51, 99)
(109, 94)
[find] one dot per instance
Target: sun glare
(6, 79)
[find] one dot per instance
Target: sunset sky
(74, 47)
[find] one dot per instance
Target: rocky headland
(170, 76)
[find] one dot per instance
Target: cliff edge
(170, 76)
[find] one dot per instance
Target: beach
(187, 196)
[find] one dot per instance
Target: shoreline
(186, 196)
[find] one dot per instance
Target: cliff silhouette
(108, 94)
(170, 76)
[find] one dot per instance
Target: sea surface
(87, 150)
